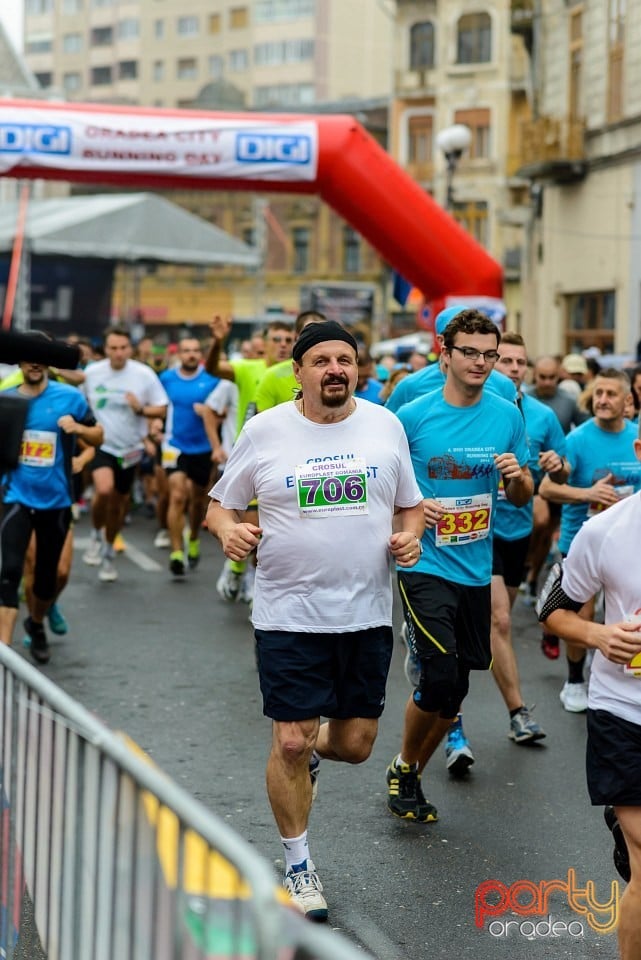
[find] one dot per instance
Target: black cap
(315, 333)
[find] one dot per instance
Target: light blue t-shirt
(42, 479)
(185, 429)
(593, 453)
(371, 391)
(432, 378)
(452, 450)
(543, 433)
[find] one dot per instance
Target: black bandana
(315, 333)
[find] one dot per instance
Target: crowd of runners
(472, 473)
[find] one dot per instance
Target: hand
(603, 492)
(67, 423)
(618, 642)
(218, 455)
(220, 326)
(432, 511)
(508, 465)
(134, 402)
(239, 539)
(405, 547)
(550, 461)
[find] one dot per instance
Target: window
(283, 51)
(284, 95)
(101, 36)
(238, 60)
(100, 76)
(215, 66)
(301, 249)
(479, 123)
(271, 11)
(71, 82)
(616, 40)
(128, 70)
(249, 236)
(576, 63)
(214, 23)
(158, 71)
(44, 79)
(159, 29)
(128, 29)
(420, 146)
(422, 46)
(34, 8)
(474, 38)
(472, 216)
(187, 26)
(351, 251)
(187, 69)
(590, 321)
(71, 42)
(72, 6)
(39, 43)
(238, 18)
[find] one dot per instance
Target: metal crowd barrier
(103, 857)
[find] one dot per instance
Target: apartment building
(458, 62)
(582, 284)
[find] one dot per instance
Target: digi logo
(272, 148)
(463, 501)
(34, 138)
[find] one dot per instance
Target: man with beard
(190, 437)
(37, 498)
(338, 500)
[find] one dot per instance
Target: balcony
(415, 82)
(551, 148)
(522, 20)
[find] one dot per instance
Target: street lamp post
(453, 141)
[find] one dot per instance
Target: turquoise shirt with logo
(452, 450)
(432, 378)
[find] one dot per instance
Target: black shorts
(508, 559)
(335, 675)
(448, 618)
(123, 476)
(613, 759)
(197, 466)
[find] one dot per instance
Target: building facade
(582, 284)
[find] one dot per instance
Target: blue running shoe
(458, 753)
(57, 621)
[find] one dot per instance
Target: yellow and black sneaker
(405, 797)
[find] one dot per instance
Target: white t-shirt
(223, 400)
(605, 552)
(326, 497)
(105, 390)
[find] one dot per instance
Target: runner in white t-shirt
(122, 393)
(334, 481)
(605, 553)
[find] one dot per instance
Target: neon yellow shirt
(247, 376)
(277, 385)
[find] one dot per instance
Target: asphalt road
(173, 666)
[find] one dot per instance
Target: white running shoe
(246, 590)
(229, 583)
(412, 664)
(93, 554)
(574, 697)
(162, 539)
(306, 891)
(107, 572)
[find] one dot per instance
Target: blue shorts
(335, 675)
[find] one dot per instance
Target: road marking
(136, 556)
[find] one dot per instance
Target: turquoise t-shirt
(432, 378)
(543, 433)
(593, 453)
(452, 450)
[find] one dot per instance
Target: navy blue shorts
(508, 559)
(197, 467)
(613, 759)
(336, 675)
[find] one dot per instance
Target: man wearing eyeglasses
(463, 441)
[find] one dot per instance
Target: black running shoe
(39, 646)
(405, 796)
(177, 564)
(620, 855)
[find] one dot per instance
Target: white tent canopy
(124, 227)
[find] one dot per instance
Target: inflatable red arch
(331, 156)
